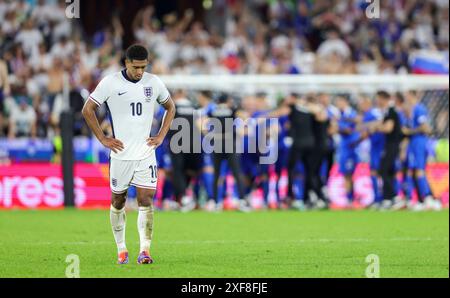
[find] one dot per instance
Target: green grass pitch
(229, 244)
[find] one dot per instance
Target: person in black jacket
(225, 139)
(391, 127)
(302, 117)
(186, 165)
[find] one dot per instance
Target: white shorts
(140, 173)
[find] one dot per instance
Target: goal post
(307, 83)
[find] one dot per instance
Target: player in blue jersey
(404, 178)
(206, 105)
(256, 174)
(370, 117)
(225, 146)
(333, 115)
(165, 167)
(249, 160)
(262, 127)
(418, 131)
(284, 145)
(348, 158)
(5, 90)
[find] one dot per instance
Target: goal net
(433, 89)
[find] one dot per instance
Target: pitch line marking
(181, 242)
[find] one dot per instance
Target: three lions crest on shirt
(148, 92)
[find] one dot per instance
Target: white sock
(145, 227)
(118, 222)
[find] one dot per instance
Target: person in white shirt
(333, 44)
(130, 96)
(22, 121)
(29, 37)
(63, 48)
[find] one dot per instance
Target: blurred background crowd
(38, 43)
(49, 61)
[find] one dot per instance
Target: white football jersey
(130, 105)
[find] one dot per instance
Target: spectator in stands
(54, 89)
(29, 37)
(22, 121)
(267, 37)
(5, 90)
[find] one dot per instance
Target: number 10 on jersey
(136, 108)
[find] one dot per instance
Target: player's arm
(369, 127)
(92, 121)
(4, 78)
(352, 119)
(33, 131)
(333, 128)
(404, 149)
(387, 126)
(320, 114)
(244, 116)
(169, 115)
(363, 128)
(11, 129)
(280, 112)
(277, 113)
(344, 127)
(424, 128)
(202, 124)
(364, 133)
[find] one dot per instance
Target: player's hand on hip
(155, 142)
(113, 144)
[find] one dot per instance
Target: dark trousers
(319, 155)
(233, 163)
(185, 166)
(329, 159)
(311, 178)
(387, 170)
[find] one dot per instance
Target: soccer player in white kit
(130, 96)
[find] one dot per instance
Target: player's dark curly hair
(206, 93)
(383, 94)
(136, 52)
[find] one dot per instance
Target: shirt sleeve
(13, 114)
(163, 94)
(347, 121)
(422, 116)
(343, 125)
(209, 110)
(377, 115)
(101, 92)
(390, 115)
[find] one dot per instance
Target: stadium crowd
(39, 46)
(38, 43)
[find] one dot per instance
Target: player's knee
(118, 200)
(146, 199)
